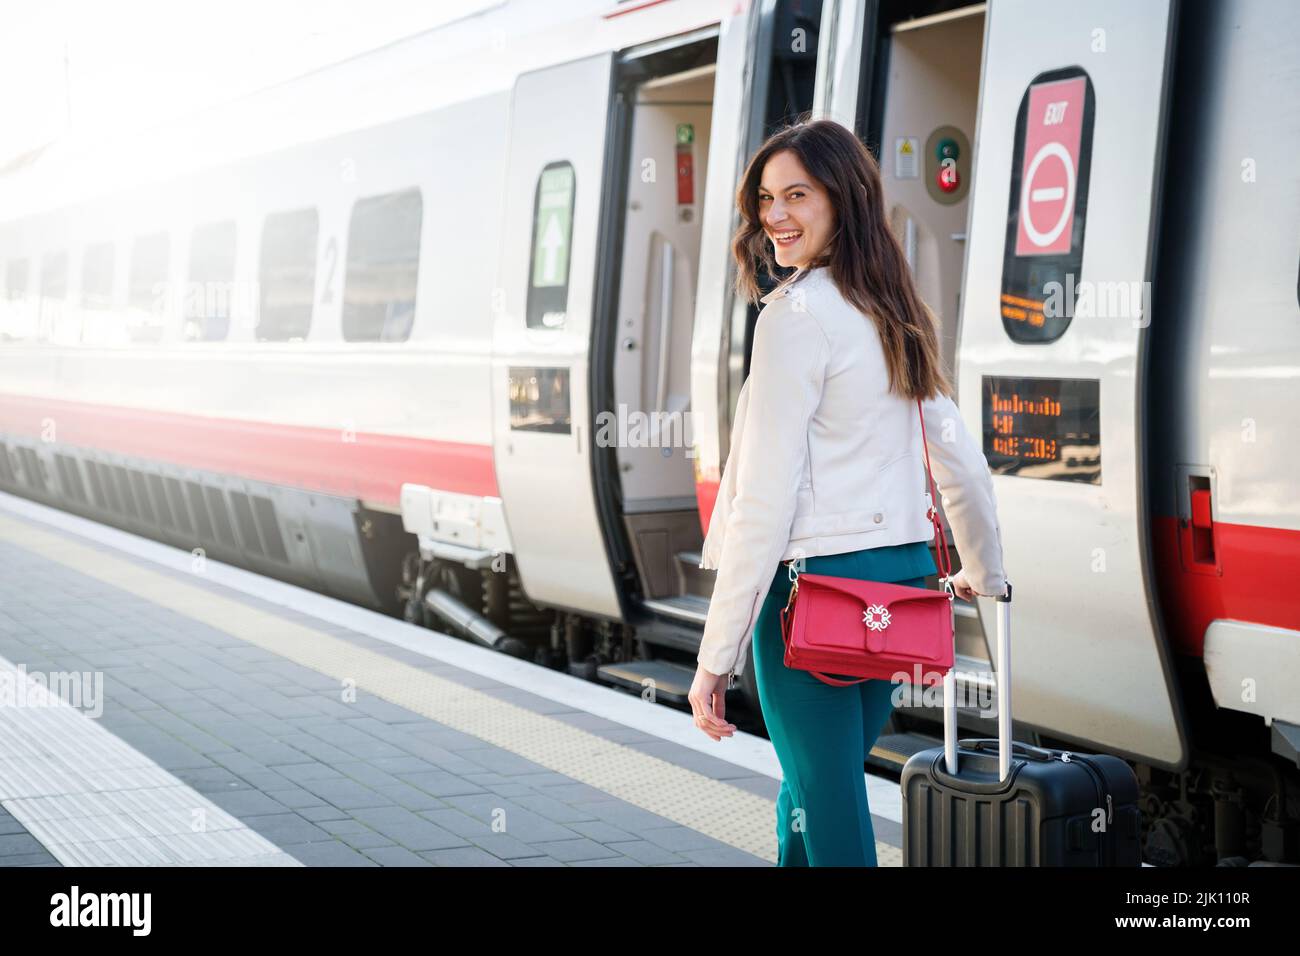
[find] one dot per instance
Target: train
(448, 330)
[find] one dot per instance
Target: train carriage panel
(1069, 152)
(1225, 360)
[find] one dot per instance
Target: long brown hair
(863, 255)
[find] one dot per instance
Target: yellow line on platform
(717, 809)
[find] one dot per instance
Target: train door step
(671, 681)
(689, 608)
(891, 751)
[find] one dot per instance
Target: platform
(229, 719)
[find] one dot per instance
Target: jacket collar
(781, 290)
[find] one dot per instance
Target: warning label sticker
(907, 150)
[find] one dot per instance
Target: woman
(827, 470)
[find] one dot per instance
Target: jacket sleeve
(787, 371)
(965, 486)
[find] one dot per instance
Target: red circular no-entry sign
(1050, 174)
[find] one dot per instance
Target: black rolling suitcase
(985, 802)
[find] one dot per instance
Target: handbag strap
(940, 541)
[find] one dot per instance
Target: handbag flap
(836, 614)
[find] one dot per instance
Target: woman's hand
(961, 587)
(708, 703)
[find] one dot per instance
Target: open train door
(541, 334)
(1054, 327)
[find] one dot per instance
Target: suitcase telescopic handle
(1003, 677)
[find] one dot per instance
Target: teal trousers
(822, 733)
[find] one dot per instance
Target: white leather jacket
(825, 459)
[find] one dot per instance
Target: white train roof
(477, 55)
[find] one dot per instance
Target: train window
(548, 285)
(539, 399)
(287, 275)
(211, 283)
(796, 27)
(97, 277)
(146, 287)
(383, 265)
(54, 292)
(1048, 207)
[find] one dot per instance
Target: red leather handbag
(869, 628)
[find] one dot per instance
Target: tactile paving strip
(93, 800)
(717, 809)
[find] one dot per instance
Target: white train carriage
(479, 354)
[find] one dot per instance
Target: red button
(947, 177)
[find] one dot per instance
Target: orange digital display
(1019, 309)
(1043, 428)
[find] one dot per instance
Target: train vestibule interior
(667, 157)
(926, 137)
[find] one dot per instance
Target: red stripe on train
(362, 465)
(1252, 578)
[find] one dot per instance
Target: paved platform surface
(218, 727)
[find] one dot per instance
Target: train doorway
(921, 81)
(919, 121)
(641, 431)
(677, 343)
(906, 76)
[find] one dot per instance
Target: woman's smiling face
(794, 209)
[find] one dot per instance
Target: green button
(946, 149)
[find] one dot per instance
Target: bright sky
(76, 69)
